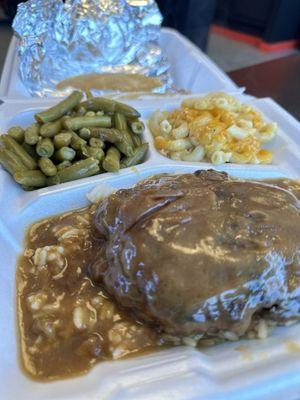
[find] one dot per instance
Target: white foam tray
(264, 370)
(191, 69)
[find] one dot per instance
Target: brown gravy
(66, 323)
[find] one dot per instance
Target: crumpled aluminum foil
(59, 39)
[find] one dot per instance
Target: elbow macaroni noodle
(216, 128)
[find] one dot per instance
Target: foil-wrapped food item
(61, 39)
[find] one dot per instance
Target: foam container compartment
(191, 69)
(266, 369)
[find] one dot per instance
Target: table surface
(279, 79)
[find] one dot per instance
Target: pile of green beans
(72, 140)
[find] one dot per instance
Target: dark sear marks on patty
(176, 259)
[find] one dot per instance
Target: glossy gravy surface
(66, 323)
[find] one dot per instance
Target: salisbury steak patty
(201, 253)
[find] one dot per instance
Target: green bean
(93, 152)
(13, 158)
(65, 118)
(50, 129)
(12, 145)
(65, 154)
(76, 123)
(59, 109)
(88, 94)
(111, 162)
(97, 153)
(7, 164)
(95, 142)
(121, 125)
(31, 134)
(53, 180)
(45, 147)
(80, 169)
(109, 106)
(125, 145)
(120, 122)
(62, 139)
(30, 178)
(127, 136)
(47, 166)
(83, 152)
(77, 142)
(137, 141)
(106, 135)
(85, 133)
(30, 150)
(28, 188)
(17, 133)
(125, 148)
(73, 113)
(90, 114)
(81, 111)
(137, 127)
(137, 157)
(63, 165)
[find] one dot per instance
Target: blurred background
(234, 33)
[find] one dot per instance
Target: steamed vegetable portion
(73, 139)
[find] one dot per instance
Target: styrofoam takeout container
(190, 68)
(265, 369)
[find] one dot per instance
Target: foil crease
(59, 39)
